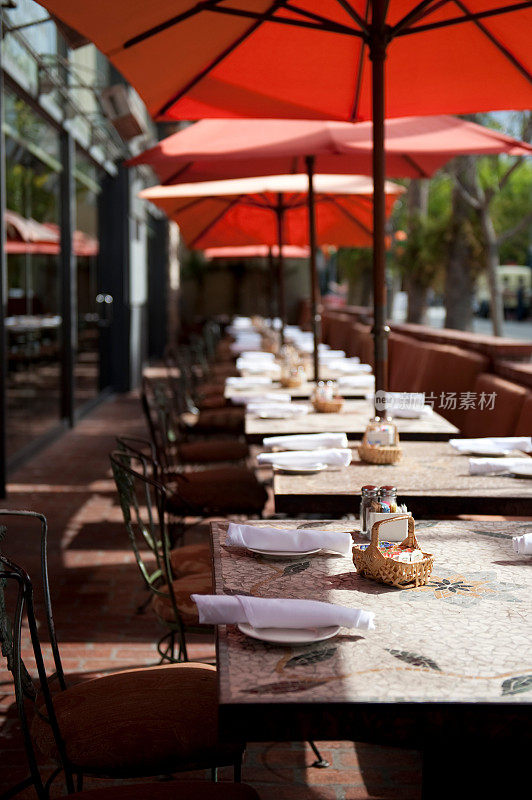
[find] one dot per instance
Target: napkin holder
(371, 563)
(380, 454)
(333, 406)
(397, 527)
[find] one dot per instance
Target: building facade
(80, 309)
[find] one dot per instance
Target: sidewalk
(96, 590)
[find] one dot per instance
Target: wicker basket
(373, 564)
(333, 406)
(293, 382)
(380, 454)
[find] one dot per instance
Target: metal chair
(143, 502)
(175, 441)
(102, 727)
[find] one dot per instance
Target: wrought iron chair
(185, 559)
(106, 727)
(143, 501)
(175, 441)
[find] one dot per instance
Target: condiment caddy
(403, 565)
(325, 400)
(380, 443)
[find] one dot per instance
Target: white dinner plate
(289, 636)
(275, 415)
(487, 453)
(285, 553)
(524, 471)
(292, 469)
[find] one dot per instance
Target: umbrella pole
(271, 286)
(380, 329)
(279, 212)
(314, 287)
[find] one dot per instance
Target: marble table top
(431, 478)
(353, 420)
(462, 638)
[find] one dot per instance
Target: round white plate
(284, 553)
(290, 469)
(487, 453)
(524, 471)
(289, 636)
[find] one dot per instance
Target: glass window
(33, 275)
(91, 306)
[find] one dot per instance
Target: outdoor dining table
(431, 478)
(352, 420)
(446, 670)
(303, 392)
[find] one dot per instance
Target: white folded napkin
(496, 466)
(278, 410)
(356, 381)
(332, 355)
(239, 347)
(303, 458)
(349, 366)
(257, 355)
(248, 382)
(260, 367)
(265, 612)
(406, 405)
(266, 397)
(307, 441)
(523, 544)
(491, 443)
(288, 540)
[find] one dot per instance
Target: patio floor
(96, 590)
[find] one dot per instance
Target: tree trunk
(417, 200)
(459, 283)
(417, 302)
(458, 288)
(492, 263)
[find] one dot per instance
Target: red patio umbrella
(256, 251)
(273, 210)
(214, 149)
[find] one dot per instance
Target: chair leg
(79, 782)
(237, 771)
(144, 605)
(214, 774)
(320, 762)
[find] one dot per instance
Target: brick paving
(96, 590)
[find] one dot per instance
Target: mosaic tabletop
(462, 638)
(431, 478)
(353, 420)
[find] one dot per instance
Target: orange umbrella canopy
(256, 251)
(244, 212)
(311, 59)
(225, 148)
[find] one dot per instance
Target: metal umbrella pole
(378, 44)
(279, 212)
(314, 286)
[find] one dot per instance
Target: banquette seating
(448, 375)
